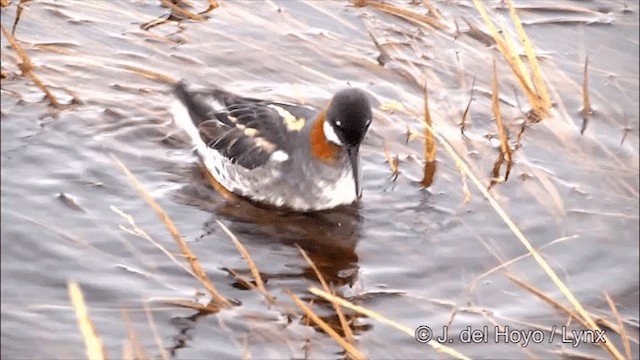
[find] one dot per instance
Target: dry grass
(589, 322)
(583, 320)
(252, 265)
(156, 335)
(93, 343)
(409, 15)
(393, 161)
(531, 82)
(586, 102)
(150, 74)
(621, 330)
(132, 348)
(376, 316)
(175, 8)
(186, 251)
(429, 144)
(26, 66)
(533, 85)
(465, 113)
(350, 349)
(346, 329)
(505, 151)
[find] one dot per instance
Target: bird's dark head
(346, 123)
(348, 117)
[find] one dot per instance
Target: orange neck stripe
(320, 147)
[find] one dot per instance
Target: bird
(284, 155)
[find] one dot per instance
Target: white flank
(214, 162)
(330, 134)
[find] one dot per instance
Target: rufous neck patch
(320, 147)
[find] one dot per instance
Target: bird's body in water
(280, 154)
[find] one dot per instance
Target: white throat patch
(330, 134)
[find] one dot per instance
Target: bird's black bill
(355, 166)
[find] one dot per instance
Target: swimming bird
(281, 154)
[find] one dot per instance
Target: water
(419, 257)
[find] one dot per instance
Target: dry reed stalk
(136, 231)
(181, 11)
(433, 10)
(429, 143)
(408, 15)
(514, 260)
(350, 349)
(135, 348)
(26, 67)
(559, 306)
(586, 103)
(19, 9)
(348, 334)
(535, 89)
(393, 162)
(252, 265)
(188, 304)
(621, 330)
(184, 248)
(154, 330)
(374, 315)
(538, 80)
(148, 73)
(213, 4)
(527, 244)
(505, 150)
(465, 114)
(94, 346)
(384, 57)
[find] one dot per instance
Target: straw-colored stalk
(586, 103)
(465, 113)
(350, 349)
(181, 11)
(376, 316)
(532, 84)
(94, 346)
(132, 348)
(26, 66)
(505, 264)
(348, 334)
(184, 248)
(252, 265)
(621, 330)
(559, 306)
(150, 74)
(393, 161)
(525, 242)
(409, 15)
(429, 144)
(505, 150)
(154, 329)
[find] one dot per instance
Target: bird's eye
(338, 123)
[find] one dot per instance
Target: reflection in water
(329, 238)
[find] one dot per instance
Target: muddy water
(419, 257)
